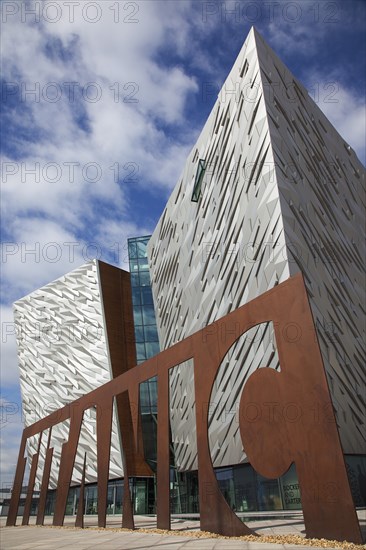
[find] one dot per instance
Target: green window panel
(198, 181)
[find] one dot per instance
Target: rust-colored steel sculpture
(79, 521)
(45, 481)
(285, 417)
(32, 479)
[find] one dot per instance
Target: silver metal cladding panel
(255, 225)
(322, 194)
(63, 355)
(210, 257)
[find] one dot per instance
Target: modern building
(74, 335)
(269, 189)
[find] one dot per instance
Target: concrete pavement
(184, 538)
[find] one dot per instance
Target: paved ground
(53, 538)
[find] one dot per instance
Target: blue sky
(101, 103)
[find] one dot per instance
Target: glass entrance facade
(242, 487)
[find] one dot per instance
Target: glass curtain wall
(183, 486)
(147, 341)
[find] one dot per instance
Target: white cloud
(339, 100)
(87, 154)
(41, 251)
(343, 105)
(346, 110)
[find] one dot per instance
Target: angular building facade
(74, 335)
(269, 189)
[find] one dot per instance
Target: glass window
(34, 506)
(198, 181)
(149, 433)
(118, 498)
(137, 315)
(153, 390)
(145, 278)
(141, 495)
(135, 279)
(146, 295)
(50, 502)
(139, 333)
(143, 264)
(110, 500)
(142, 248)
(152, 348)
(268, 494)
(151, 334)
(70, 504)
(136, 298)
(238, 485)
(226, 484)
(132, 249)
(245, 488)
(92, 500)
(148, 314)
(290, 489)
(144, 397)
(356, 470)
(140, 351)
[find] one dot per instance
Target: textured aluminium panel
(322, 194)
(63, 354)
(204, 257)
(241, 238)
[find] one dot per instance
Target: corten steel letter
(104, 428)
(79, 521)
(216, 515)
(127, 509)
(307, 443)
(271, 441)
(129, 423)
(128, 460)
(118, 313)
(45, 481)
(17, 486)
(68, 454)
(294, 422)
(162, 474)
(32, 479)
